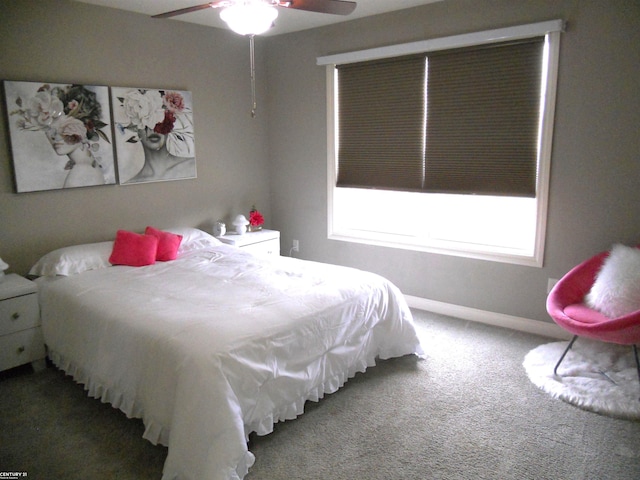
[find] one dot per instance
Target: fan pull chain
(253, 77)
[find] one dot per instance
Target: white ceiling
(289, 20)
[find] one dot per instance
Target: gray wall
(278, 160)
(62, 42)
(595, 173)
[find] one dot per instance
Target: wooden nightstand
(262, 242)
(21, 338)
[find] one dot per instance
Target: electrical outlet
(296, 246)
(551, 283)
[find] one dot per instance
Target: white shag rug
(595, 376)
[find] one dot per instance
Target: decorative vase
(219, 229)
(240, 223)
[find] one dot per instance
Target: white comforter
(218, 344)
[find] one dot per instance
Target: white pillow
(194, 239)
(90, 256)
(616, 291)
(73, 260)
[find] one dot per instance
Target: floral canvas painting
(60, 135)
(154, 134)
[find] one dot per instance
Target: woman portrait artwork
(60, 137)
(154, 136)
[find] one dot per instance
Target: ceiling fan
(253, 17)
(234, 11)
(337, 7)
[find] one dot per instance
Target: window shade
(381, 123)
(483, 109)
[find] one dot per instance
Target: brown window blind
(483, 109)
(482, 114)
(381, 123)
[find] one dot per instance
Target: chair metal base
(635, 354)
(555, 370)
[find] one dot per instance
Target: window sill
(456, 249)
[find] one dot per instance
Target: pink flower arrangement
(255, 218)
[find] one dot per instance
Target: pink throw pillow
(168, 244)
(133, 249)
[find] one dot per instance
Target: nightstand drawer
(21, 347)
(19, 313)
(270, 247)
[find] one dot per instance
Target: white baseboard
(537, 327)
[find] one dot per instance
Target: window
(444, 145)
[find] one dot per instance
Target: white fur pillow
(616, 291)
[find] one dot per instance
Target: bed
(215, 344)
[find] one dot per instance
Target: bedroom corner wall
(61, 41)
(595, 173)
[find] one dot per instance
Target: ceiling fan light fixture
(249, 17)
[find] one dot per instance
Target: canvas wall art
(60, 135)
(154, 134)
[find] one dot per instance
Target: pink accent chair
(565, 305)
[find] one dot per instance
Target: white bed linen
(218, 344)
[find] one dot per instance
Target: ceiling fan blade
(182, 11)
(336, 7)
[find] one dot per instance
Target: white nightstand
(262, 242)
(21, 338)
